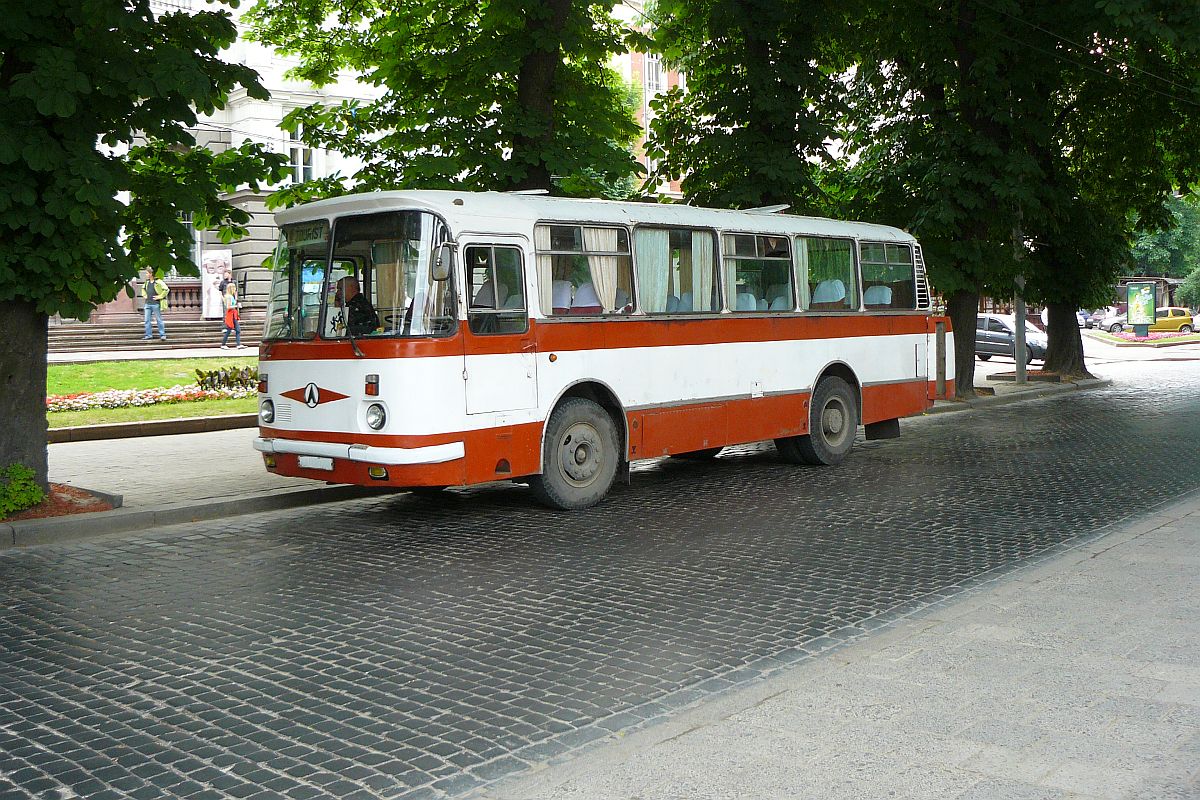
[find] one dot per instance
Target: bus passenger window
(677, 271)
(758, 273)
(496, 288)
(584, 270)
(826, 273)
(888, 274)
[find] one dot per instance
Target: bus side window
(888, 274)
(584, 270)
(826, 271)
(496, 288)
(677, 271)
(758, 275)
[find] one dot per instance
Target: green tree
(761, 100)
(1017, 138)
(1189, 291)
(1173, 251)
(498, 94)
(1123, 135)
(942, 109)
(96, 167)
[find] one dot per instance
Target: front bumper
(388, 456)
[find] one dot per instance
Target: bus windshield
(376, 282)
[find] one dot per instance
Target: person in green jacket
(154, 290)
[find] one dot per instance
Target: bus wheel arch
(834, 413)
(583, 448)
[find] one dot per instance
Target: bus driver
(361, 318)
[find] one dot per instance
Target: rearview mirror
(443, 261)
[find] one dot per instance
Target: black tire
(984, 356)
(1028, 355)
(580, 456)
(832, 423)
(700, 455)
(1185, 328)
(1116, 328)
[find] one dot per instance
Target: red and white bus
(442, 338)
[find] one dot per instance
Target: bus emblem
(313, 395)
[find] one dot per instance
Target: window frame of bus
(731, 293)
(548, 313)
(912, 269)
(295, 292)
(440, 235)
(717, 284)
(855, 291)
(495, 311)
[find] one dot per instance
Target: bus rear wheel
(580, 456)
(832, 423)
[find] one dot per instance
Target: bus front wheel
(832, 423)
(580, 456)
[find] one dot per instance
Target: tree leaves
(480, 95)
(80, 218)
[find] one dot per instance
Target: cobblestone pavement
(422, 647)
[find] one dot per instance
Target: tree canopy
(1013, 137)
(498, 94)
(97, 170)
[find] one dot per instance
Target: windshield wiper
(358, 353)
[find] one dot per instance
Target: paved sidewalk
(1077, 677)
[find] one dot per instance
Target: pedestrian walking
(154, 291)
(233, 316)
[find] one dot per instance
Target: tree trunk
(536, 94)
(1065, 353)
(963, 309)
(23, 387)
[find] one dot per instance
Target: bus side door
(501, 365)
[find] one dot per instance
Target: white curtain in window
(545, 268)
(603, 267)
(654, 268)
(731, 288)
(702, 271)
(801, 251)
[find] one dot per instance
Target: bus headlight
(266, 412)
(376, 416)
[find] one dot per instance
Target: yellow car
(1166, 320)
(1172, 319)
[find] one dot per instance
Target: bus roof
(469, 211)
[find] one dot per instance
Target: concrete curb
(1033, 392)
(160, 427)
(54, 530)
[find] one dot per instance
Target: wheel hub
(580, 454)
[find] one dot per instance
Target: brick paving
(413, 647)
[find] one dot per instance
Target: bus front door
(500, 365)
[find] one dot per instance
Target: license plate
(316, 462)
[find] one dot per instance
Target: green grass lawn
(102, 416)
(99, 376)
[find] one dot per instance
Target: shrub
(18, 490)
(227, 378)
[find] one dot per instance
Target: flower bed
(1128, 336)
(130, 398)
